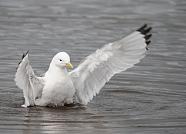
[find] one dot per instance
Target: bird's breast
(59, 85)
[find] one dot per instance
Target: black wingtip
(148, 42)
(27, 52)
(142, 27)
(145, 30)
(23, 56)
(19, 62)
(148, 36)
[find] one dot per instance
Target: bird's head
(62, 60)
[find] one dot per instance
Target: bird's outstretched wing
(27, 81)
(92, 74)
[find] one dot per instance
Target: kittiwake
(59, 86)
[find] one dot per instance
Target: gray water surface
(149, 98)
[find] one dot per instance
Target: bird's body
(58, 89)
(59, 86)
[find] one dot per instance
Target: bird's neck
(54, 71)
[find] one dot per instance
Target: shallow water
(150, 98)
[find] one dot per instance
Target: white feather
(27, 81)
(58, 86)
(97, 69)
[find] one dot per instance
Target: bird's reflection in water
(61, 119)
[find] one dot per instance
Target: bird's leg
(24, 105)
(26, 102)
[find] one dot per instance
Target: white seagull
(58, 86)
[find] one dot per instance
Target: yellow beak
(69, 65)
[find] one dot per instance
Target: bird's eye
(61, 60)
